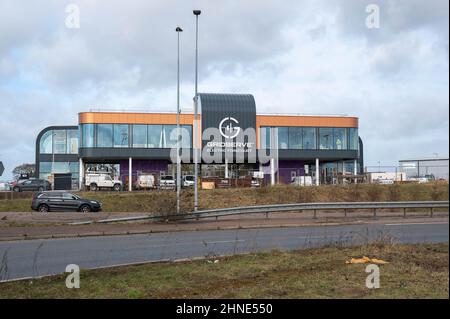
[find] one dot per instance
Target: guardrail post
(374, 213)
(345, 212)
(431, 212)
(315, 214)
(267, 215)
(404, 212)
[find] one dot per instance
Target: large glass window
(120, 135)
(45, 167)
(309, 138)
(326, 138)
(59, 141)
(72, 142)
(283, 137)
(88, 135)
(155, 136)
(58, 167)
(46, 143)
(140, 136)
(340, 138)
(104, 135)
(168, 141)
(265, 137)
(295, 138)
(186, 141)
(353, 139)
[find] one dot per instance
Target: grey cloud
(116, 36)
(395, 17)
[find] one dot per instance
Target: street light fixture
(178, 30)
(196, 13)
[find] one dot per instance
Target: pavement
(35, 258)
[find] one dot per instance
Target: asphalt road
(35, 258)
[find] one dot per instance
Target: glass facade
(311, 138)
(326, 138)
(340, 138)
(46, 143)
(121, 135)
(155, 139)
(72, 142)
(186, 134)
(87, 133)
(295, 138)
(136, 136)
(47, 168)
(139, 136)
(168, 141)
(104, 135)
(60, 141)
(283, 138)
(353, 139)
(265, 137)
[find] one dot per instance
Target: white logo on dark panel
(228, 129)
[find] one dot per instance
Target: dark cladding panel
(230, 115)
(216, 107)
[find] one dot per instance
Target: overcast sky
(314, 57)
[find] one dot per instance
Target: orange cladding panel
(133, 118)
(315, 121)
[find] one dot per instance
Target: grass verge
(165, 201)
(413, 271)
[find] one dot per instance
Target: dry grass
(165, 201)
(414, 271)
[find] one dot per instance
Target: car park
(32, 185)
(63, 201)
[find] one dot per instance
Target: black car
(32, 185)
(63, 201)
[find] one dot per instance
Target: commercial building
(430, 168)
(128, 143)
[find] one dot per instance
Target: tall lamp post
(196, 13)
(53, 159)
(178, 30)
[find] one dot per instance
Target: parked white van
(145, 181)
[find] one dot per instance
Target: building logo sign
(228, 129)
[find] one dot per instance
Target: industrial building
(430, 168)
(322, 147)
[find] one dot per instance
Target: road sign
(2, 168)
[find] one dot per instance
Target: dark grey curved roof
(214, 101)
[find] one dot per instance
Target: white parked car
(101, 180)
(167, 182)
(302, 181)
(385, 181)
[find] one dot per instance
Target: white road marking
(432, 223)
(224, 241)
